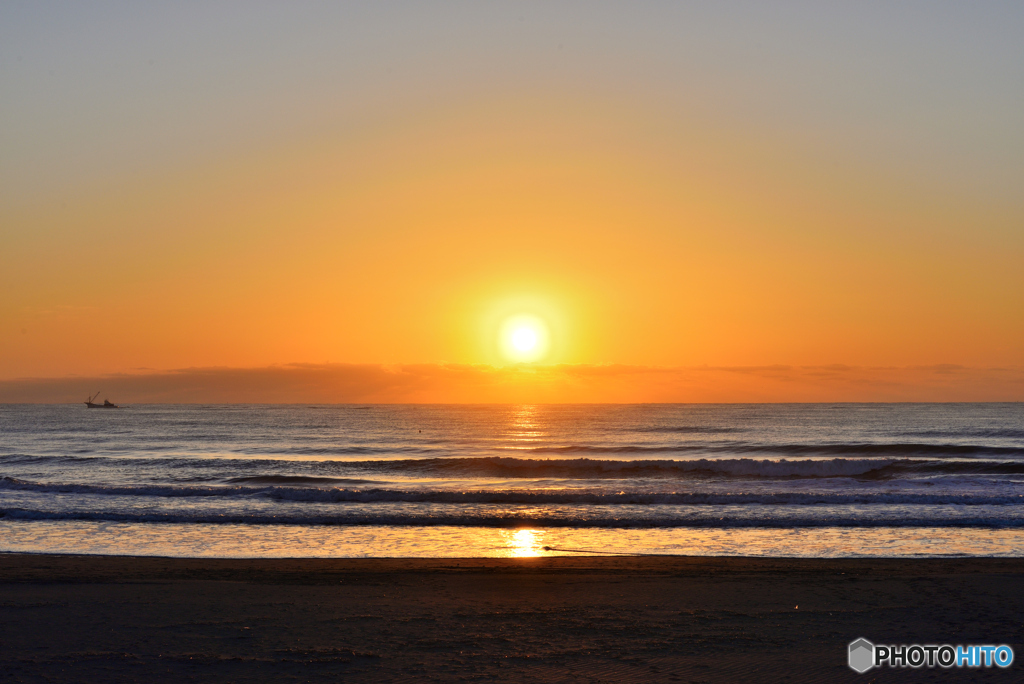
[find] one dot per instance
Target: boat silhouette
(106, 404)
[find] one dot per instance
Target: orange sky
(655, 224)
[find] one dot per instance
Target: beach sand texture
(588, 619)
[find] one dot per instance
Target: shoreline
(565, 618)
(10, 560)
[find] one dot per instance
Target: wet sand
(636, 619)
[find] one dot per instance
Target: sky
(683, 201)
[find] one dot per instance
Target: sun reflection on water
(523, 430)
(523, 543)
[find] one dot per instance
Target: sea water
(812, 480)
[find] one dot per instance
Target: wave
(527, 468)
(748, 468)
(334, 450)
(586, 468)
(511, 496)
(508, 519)
(687, 429)
(988, 433)
(296, 480)
(441, 450)
(851, 449)
(278, 471)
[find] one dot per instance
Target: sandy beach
(588, 619)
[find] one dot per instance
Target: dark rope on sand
(609, 553)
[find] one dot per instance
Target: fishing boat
(90, 402)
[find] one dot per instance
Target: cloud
(582, 383)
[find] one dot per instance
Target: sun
(524, 338)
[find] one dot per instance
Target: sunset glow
(738, 206)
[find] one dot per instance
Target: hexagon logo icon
(862, 655)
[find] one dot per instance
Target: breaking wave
(852, 449)
(510, 496)
(702, 517)
(283, 472)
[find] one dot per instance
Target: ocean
(808, 480)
